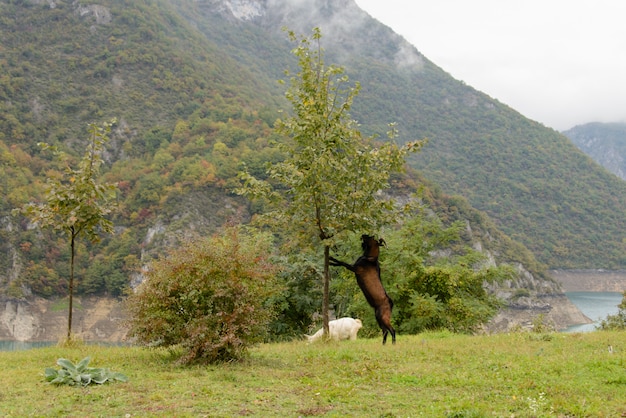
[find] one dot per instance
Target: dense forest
(195, 93)
(538, 187)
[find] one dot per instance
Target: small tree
(330, 182)
(76, 203)
(211, 297)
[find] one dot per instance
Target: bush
(616, 322)
(210, 297)
(301, 297)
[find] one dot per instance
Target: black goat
(367, 272)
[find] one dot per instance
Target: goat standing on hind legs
(367, 272)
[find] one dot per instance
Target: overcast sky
(559, 62)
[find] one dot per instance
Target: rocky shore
(102, 319)
(554, 311)
(530, 301)
(527, 301)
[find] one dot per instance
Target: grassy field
(432, 375)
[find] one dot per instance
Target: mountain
(604, 142)
(193, 84)
(201, 63)
(538, 187)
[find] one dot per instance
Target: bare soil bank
(38, 319)
(591, 280)
(102, 319)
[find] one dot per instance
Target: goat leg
(339, 263)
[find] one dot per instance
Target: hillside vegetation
(539, 187)
(195, 93)
(186, 117)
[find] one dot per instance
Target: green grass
(433, 375)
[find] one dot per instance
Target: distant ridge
(604, 142)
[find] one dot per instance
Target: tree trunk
(71, 291)
(326, 297)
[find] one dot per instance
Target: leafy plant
(436, 280)
(80, 375)
(211, 297)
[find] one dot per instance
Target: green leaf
(66, 364)
(85, 379)
(51, 374)
(60, 380)
(100, 379)
(83, 364)
(119, 376)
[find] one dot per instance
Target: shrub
(210, 297)
(616, 322)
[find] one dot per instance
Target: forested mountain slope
(193, 85)
(183, 109)
(533, 181)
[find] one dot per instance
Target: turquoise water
(595, 305)
(19, 345)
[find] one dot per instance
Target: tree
(76, 203)
(331, 180)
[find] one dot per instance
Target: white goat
(340, 329)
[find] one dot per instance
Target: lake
(595, 305)
(20, 345)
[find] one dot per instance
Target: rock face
(37, 319)
(100, 14)
(591, 280)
